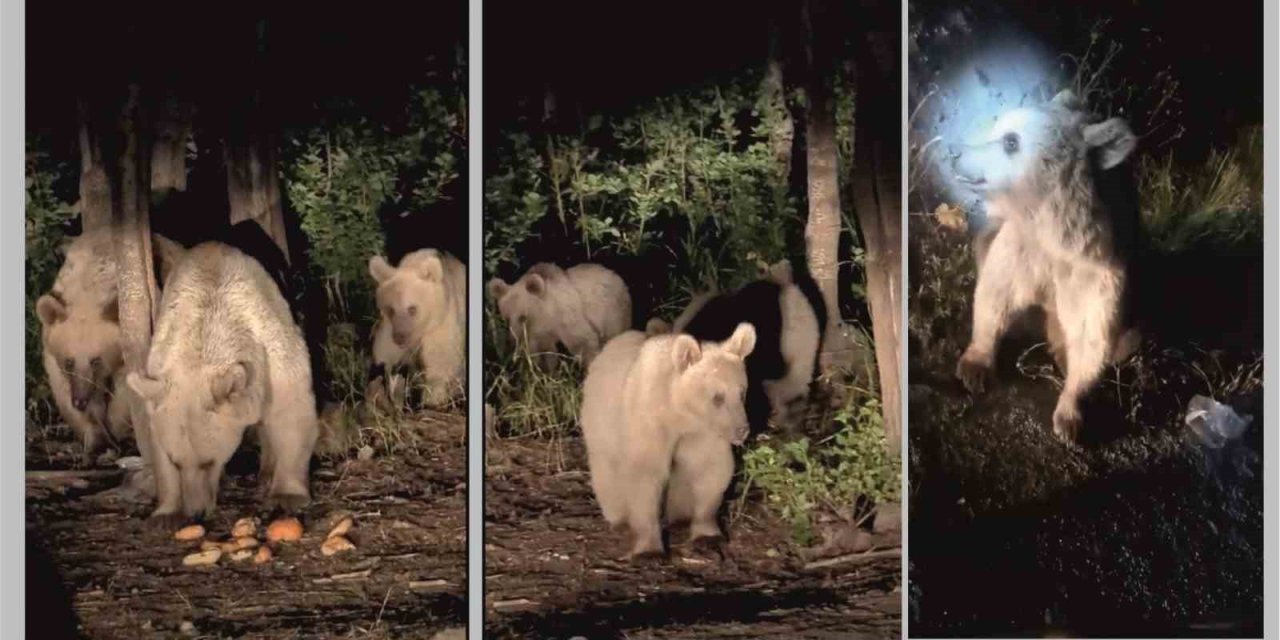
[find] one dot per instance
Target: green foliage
(799, 479)
(681, 170)
(46, 212)
(340, 175)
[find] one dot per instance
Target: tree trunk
(95, 186)
(169, 153)
(773, 99)
(877, 193)
(822, 231)
(253, 188)
(115, 195)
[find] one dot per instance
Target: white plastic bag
(1213, 422)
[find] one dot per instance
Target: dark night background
(1215, 53)
(315, 67)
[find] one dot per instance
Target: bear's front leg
(1006, 285)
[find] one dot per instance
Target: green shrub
(679, 171)
(800, 479)
(46, 212)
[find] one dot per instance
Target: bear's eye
(69, 364)
(388, 311)
(718, 399)
(96, 363)
(1010, 143)
(413, 310)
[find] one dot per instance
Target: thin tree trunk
(132, 227)
(253, 188)
(169, 153)
(877, 192)
(95, 187)
(822, 230)
(773, 95)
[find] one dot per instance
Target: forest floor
(554, 570)
(96, 569)
(1141, 529)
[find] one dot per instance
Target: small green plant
(853, 467)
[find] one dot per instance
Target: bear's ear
(229, 384)
(1113, 139)
(50, 310)
(685, 352)
(147, 388)
(743, 340)
(535, 284)
(498, 288)
(111, 311)
(431, 269)
(380, 270)
(1067, 99)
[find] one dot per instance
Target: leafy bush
(339, 176)
(46, 211)
(694, 171)
(800, 479)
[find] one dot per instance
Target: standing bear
(1056, 241)
(422, 324)
(80, 339)
(581, 307)
(660, 416)
(226, 355)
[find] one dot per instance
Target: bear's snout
(967, 171)
(740, 434)
(81, 393)
(400, 337)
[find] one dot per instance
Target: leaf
(951, 217)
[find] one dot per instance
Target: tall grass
(528, 400)
(1218, 202)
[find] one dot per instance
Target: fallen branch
(72, 475)
(853, 558)
(344, 577)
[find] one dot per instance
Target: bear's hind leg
(1086, 308)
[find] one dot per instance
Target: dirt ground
(553, 568)
(1139, 530)
(96, 570)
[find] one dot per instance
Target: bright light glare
(976, 84)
